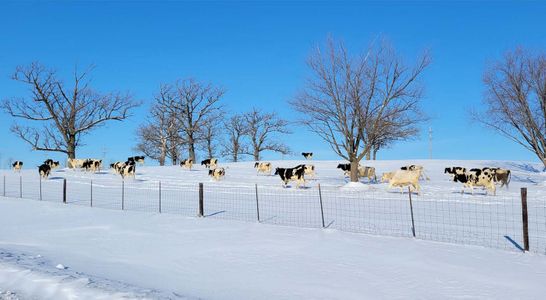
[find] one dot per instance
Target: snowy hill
(140, 253)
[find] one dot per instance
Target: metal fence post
(64, 190)
(257, 203)
(201, 212)
(321, 207)
(159, 196)
(91, 193)
(525, 219)
(122, 195)
(20, 186)
(411, 210)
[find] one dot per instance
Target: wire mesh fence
(454, 218)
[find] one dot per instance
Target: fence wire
(454, 218)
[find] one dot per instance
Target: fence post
(321, 208)
(411, 210)
(40, 187)
(201, 208)
(20, 186)
(91, 194)
(160, 196)
(257, 203)
(122, 195)
(525, 219)
(64, 190)
(4, 185)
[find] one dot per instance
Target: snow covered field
(112, 254)
(441, 213)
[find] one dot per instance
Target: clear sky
(257, 51)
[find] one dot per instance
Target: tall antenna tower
(430, 143)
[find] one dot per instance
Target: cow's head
(211, 172)
(276, 171)
(256, 164)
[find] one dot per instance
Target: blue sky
(257, 51)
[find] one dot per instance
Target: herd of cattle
(406, 176)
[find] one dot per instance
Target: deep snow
(441, 212)
(115, 254)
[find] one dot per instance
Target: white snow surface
(139, 253)
(125, 254)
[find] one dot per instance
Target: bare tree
(195, 102)
(236, 128)
(350, 100)
(261, 130)
(516, 100)
(160, 137)
(209, 134)
(65, 113)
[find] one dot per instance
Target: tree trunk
(209, 148)
(71, 148)
(256, 155)
(354, 169)
(191, 148)
(235, 153)
(375, 153)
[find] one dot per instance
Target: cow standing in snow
(476, 177)
(187, 163)
(17, 166)
(263, 167)
(209, 163)
(401, 178)
(291, 174)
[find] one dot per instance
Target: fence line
(505, 222)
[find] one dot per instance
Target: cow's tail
(509, 178)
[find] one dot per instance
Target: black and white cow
(307, 155)
(454, 170)
(117, 167)
(263, 167)
(187, 163)
(17, 166)
(137, 159)
(500, 176)
(210, 163)
(128, 170)
(44, 171)
(418, 168)
(217, 173)
(476, 177)
(291, 174)
(92, 164)
(344, 167)
(309, 169)
(51, 163)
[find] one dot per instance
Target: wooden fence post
(411, 210)
(159, 196)
(525, 219)
(122, 195)
(201, 212)
(321, 207)
(91, 193)
(257, 203)
(20, 186)
(64, 190)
